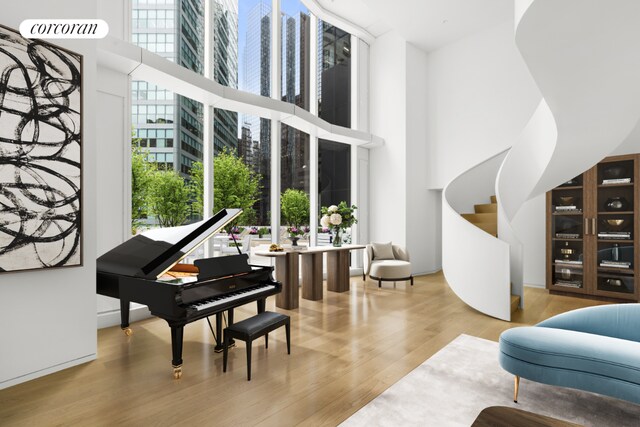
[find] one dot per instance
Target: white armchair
(386, 262)
(245, 245)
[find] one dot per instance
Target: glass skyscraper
(225, 70)
(171, 126)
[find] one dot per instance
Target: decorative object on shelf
(614, 282)
(616, 204)
(615, 252)
(615, 224)
(614, 171)
(40, 154)
(566, 252)
(572, 182)
(565, 273)
(338, 218)
(568, 226)
(566, 200)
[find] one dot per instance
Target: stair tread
(486, 208)
(484, 217)
(488, 228)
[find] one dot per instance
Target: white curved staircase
(584, 55)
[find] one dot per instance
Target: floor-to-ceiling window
(334, 74)
(295, 58)
(294, 183)
(172, 129)
(334, 180)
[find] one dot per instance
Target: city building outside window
(170, 127)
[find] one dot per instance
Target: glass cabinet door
(567, 236)
(615, 229)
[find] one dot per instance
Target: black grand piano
(145, 269)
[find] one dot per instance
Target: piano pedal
(177, 372)
(127, 331)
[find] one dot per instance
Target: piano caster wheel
(127, 331)
(177, 372)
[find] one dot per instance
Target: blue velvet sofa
(595, 349)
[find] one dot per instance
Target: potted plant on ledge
(294, 206)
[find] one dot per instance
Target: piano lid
(152, 253)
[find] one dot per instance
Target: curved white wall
(583, 57)
(475, 264)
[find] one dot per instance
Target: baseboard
(427, 273)
(137, 312)
(533, 285)
(46, 371)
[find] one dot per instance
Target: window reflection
(295, 46)
(334, 74)
(295, 169)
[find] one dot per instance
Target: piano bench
(252, 328)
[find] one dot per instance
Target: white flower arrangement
(333, 220)
(340, 216)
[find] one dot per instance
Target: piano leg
(176, 347)
(262, 303)
(232, 342)
(124, 317)
(219, 347)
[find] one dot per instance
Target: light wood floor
(346, 350)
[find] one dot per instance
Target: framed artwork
(40, 154)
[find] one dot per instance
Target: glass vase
(337, 237)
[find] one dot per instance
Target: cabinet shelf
(594, 199)
(568, 187)
(616, 213)
(616, 270)
(624, 184)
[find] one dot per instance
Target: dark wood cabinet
(592, 232)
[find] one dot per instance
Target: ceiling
(428, 24)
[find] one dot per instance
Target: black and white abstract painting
(40, 154)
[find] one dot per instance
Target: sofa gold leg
(516, 384)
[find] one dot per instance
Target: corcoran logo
(64, 28)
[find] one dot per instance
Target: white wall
(388, 190)
(480, 97)
(49, 316)
(423, 205)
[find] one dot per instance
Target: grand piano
(146, 269)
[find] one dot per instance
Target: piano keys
(146, 269)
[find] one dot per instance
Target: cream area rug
(459, 381)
